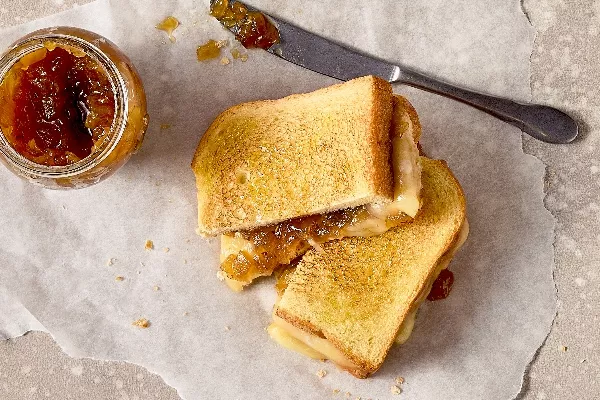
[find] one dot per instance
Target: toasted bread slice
(350, 299)
(248, 255)
(268, 161)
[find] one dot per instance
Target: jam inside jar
(72, 108)
(62, 105)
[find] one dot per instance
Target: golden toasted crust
(402, 108)
(356, 292)
(264, 162)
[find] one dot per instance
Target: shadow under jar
(72, 108)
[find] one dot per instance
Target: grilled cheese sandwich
(358, 294)
(248, 254)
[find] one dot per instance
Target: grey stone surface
(34, 367)
(565, 74)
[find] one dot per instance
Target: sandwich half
(278, 177)
(349, 299)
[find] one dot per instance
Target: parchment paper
(476, 344)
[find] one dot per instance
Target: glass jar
(122, 138)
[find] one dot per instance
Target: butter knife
(326, 57)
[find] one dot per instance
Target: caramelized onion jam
(280, 244)
(57, 102)
(251, 28)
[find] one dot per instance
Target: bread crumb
(139, 272)
(166, 249)
(321, 373)
(336, 391)
(347, 394)
(395, 390)
(399, 380)
(227, 328)
(149, 245)
(583, 360)
(141, 323)
(564, 348)
(156, 288)
(221, 276)
(165, 126)
(244, 57)
(222, 43)
(224, 61)
(185, 314)
(119, 278)
(142, 264)
(184, 261)
(110, 262)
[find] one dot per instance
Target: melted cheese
(407, 177)
(296, 339)
(406, 328)
(313, 346)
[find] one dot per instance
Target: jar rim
(35, 42)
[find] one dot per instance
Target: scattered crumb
(166, 249)
(110, 262)
(185, 314)
(119, 278)
(564, 348)
(221, 275)
(139, 272)
(227, 328)
(395, 390)
(399, 380)
(224, 61)
(336, 391)
(358, 398)
(583, 360)
(348, 394)
(184, 261)
(244, 57)
(165, 126)
(169, 25)
(235, 53)
(156, 288)
(141, 323)
(142, 264)
(149, 245)
(321, 373)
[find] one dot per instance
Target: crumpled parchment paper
(56, 246)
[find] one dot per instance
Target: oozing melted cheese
(298, 340)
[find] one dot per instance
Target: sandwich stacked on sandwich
(329, 190)
(276, 178)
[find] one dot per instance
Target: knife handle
(542, 122)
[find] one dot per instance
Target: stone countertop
(565, 74)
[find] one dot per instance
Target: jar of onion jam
(72, 108)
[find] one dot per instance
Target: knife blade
(326, 57)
